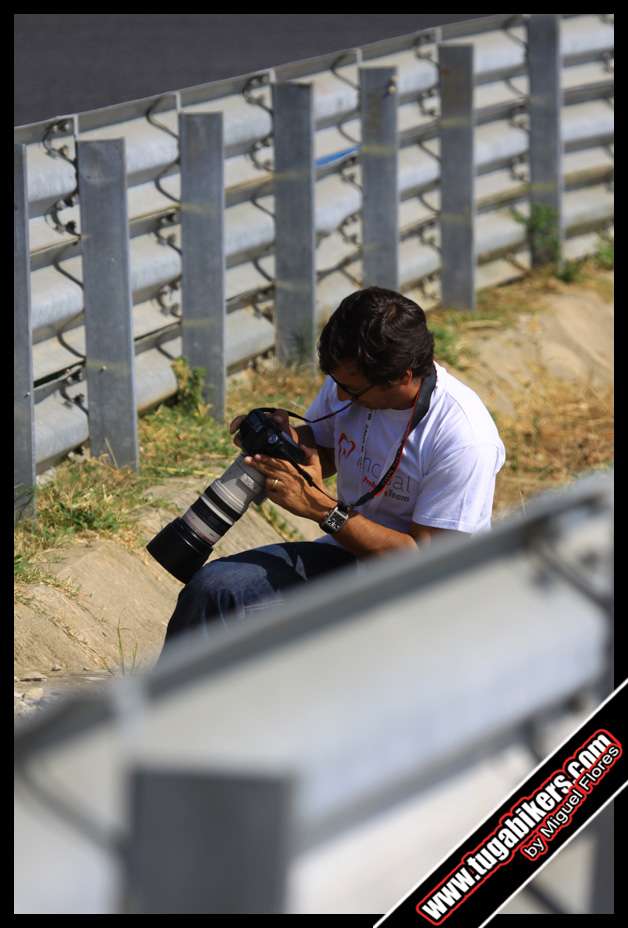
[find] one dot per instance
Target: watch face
(334, 521)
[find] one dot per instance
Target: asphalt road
(72, 62)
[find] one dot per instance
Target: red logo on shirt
(345, 446)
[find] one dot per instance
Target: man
(416, 453)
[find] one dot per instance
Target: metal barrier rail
(252, 311)
(315, 718)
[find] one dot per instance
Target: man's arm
(362, 536)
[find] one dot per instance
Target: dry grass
(559, 431)
(268, 384)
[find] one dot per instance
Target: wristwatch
(335, 519)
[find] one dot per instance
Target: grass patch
(558, 432)
(88, 498)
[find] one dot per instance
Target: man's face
(350, 382)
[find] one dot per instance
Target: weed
(446, 345)
(570, 271)
(605, 254)
(123, 668)
(542, 232)
(190, 387)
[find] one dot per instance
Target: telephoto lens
(183, 546)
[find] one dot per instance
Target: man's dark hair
(384, 332)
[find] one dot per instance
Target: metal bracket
(430, 241)
(423, 285)
(159, 125)
(155, 122)
(264, 209)
(353, 239)
(267, 293)
(169, 309)
(569, 572)
(351, 277)
(57, 263)
(354, 86)
(64, 126)
(428, 206)
(428, 151)
(257, 146)
(519, 118)
(254, 82)
(165, 222)
(257, 80)
(341, 77)
(260, 270)
(423, 39)
(518, 168)
(53, 211)
(424, 95)
(518, 19)
(79, 399)
(348, 172)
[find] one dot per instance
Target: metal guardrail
(275, 737)
(258, 259)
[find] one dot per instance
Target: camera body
(183, 546)
(260, 434)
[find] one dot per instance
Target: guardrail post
(546, 173)
(112, 409)
(379, 164)
(457, 177)
(295, 269)
(203, 252)
(205, 842)
(603, 876)
(24, 473)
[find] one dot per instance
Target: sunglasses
(352, 394)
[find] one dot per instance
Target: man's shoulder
(460, 409)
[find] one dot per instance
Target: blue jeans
(229, 588)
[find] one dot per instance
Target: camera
(183, 546)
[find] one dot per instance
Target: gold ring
(275, 482)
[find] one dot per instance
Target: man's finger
(235, 424)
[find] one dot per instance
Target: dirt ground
(109, 614)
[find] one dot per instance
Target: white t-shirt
(446, 476)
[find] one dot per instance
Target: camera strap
(419, 410)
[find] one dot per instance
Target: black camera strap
(419, 410)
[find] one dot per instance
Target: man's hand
(284, 485)
(287, 488)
